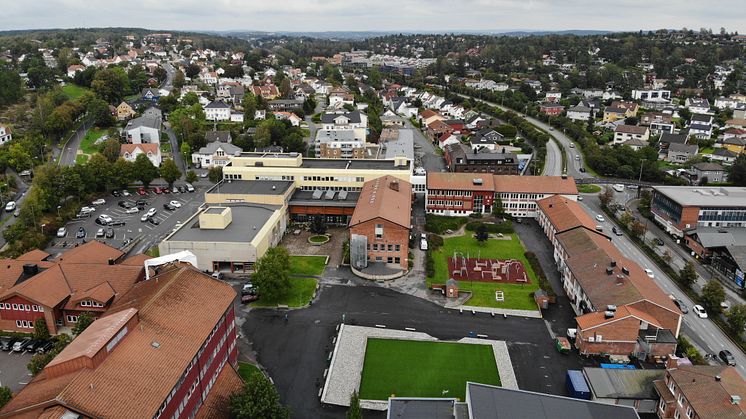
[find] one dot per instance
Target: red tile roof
(388, 198)
(217, 403)
(709, 397)
(564, 213)
(535, 184)
(460, 181)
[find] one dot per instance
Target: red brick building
(551, 109)
(85, 279)
(159, 352)
(383, 217)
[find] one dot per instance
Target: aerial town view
(491, 209)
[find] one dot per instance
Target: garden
(405, 368)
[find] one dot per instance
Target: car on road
(616, 231)
(104, 219)
(169, 207)
(61, 232)
(154, 221)
(142, 191)
(600, 218)
(727, 357)
(649, 273)
(700, 311)
(580, 198)
(577, 157)
(175, 203)
(109, 233)
(100, 201)
(681, 305)
(582, 169)
(572, 145)
(658, 242)
(10, 206)
(133, 210)
(87, 210)
(100, 232)
(80, 234)
(618, 187)
(203, 175)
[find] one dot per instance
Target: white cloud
(384, 15)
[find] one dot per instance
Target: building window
(18, 323)
(676, 414)
(681, 399)
(397, 248)
(15, 306)
(379, 231)
(662, 406)
(689, 412)
(375, 246)
(72, 319)
(391, 248)
(28, 307)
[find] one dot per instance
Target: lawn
(517, 296)
(73, 91)
(81, 159)
(88, 144)
(246, 370)
(583, 188)
(707, 150)
(301, 292)
(307, 265)
(424, 369)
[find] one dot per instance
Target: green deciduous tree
(84, 320)
(215, 174)
(10, 87)
(258, 399)
(170, 172)
(737, 318)
(737, 174)
(271, 273)
(178, 79)
(688, 274)
(143, 170)
(713, 294)
(637, 228)
(110, 149)
(186, 152)
(112, 84)
(249, 106)
(482, 234)
(191, 176)
(606, 196)
(98, 111)
(40, 329)
(5, 395)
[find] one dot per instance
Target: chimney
(734, 399)
(394, 185)
(609, 270)
(625, 271)
(111, 261)
(612, 263)
(30, 269)
(717, 378)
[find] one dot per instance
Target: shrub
(438, 224)
(434, 241)
(536, 266)
(505, 227)
(429, 264)
(475, 215)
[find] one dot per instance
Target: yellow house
(124, 111)
(734, 144)
(620, 110)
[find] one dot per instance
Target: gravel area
(345, 371)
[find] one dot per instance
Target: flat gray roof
(340, 199)
(353, 164)
(248, 219)
(402, 146)
(251, 187)
(490, 402)
(703, 196)
(416, 408)
(623, 383)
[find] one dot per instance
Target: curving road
(553, 164)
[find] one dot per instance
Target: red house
(551, 109)
(166, 349)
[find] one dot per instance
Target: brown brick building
(383, 217)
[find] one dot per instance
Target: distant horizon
(388, 16)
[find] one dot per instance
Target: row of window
(90, 303)
(388, 259)
(21, 307)
(27, 324)
(383, 247)
(445, 203)
(359, 179)
(448, 193)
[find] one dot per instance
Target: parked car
(151, 212)
(100, 201)
(166, 190)
(175, 203)
(6, 343)
(189, 187)
(20, 346)
(649, 272)
(33, 345)
(116, 223)
(245, 299)
(700, 311)
(109, 233)
(182, 189)
(600, 218)
(580, 198)
(45, 346)
(142, 191)
(158, 190)
(80, 234)
(141, 203)
(169, 207)
(618, 187)
(144, 218)
(133, 210)
(103, 219)
(10, 206)
(217, 275)
(124, 204)
(248, 288)
(100, 232)
(727, 357)
(61, 232)
(116, 193)
(154, 221)
(87, 210)
(126, 192)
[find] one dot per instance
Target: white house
(214, 154)
(143, 130)
(348, 120)
(130, 152)
(650, 95)
(260, 114)
(5, 134)
(696, 105)
(579, 113)
(293, 118)
(217, 110)
(236, 117)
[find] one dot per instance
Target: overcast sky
(383, 15)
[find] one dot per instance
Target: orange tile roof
(35, 255)
(380, 199)
(145, 147)
(598, 318)
(40, 392)
(136, 260)
(709, 397)
(136, 376)
(217, 403)
(91, 252)
(535, 184)
(11, 270)
(460, 181)
(564, 213)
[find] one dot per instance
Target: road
(70, 151)
(703, 332)
(424, 152)
(553, 164)
(169, 83)
(7, 219)
(175, 150)
(312, 127)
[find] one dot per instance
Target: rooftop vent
(155, 344)
(274, 187)
(625, 271)
(609, 270)
(477, 181)
(717, 378)
(612, 263)
(734, 399)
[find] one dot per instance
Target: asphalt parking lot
(13, 371)
(306, 339)
(150, 234)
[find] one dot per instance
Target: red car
(158, 190)
(166, 190)
(142, 191)
(245, 299)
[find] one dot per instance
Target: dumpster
(562, 345)
(577, 386)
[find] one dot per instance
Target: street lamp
(42, 228)
(58, 211)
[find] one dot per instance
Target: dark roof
(724, 152)
(683, 148)
(217, 104)
(622, 383)
(698, 117)
(708, 167)
(344, 199)
(489, 402)
(673, 138)
(415, 408)
(353, 116)
(222, 136)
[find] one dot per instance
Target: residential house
(553, 96)
(734, 144)
(215, 153)
(347, 120)
(700, 391)
(217, 110)
(74, 69)
(150, 94)
(153, 112)
(729, 102)
(667, 139)
(380, 224)
(260, 115)
(697, 105)
(700, 126)
(6, 134)
(653, 96)
(339, 144)
(267, 92)
(284, 104)
(486, 138)
(551, 109)
(658, 123)
(437, 128)
(160, 351)
(428, 116)
(739, 123)
(294, 119)
(625, 387)
(88, 278)
(580, 113)
(680, 153)
(460, 158)
(448, 138)
(708, 172)
(722, 155)
(130, 152)
(635, 144)
(624, 133)
(125, 111)
(620, 110)
(143, 130)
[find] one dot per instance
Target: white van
(618, 187)
(10, 206)
(423, 244)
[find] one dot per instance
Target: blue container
(577, 386)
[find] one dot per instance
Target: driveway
(306, 340)
(425, 151)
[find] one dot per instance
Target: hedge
(505, 227)
(438, 224)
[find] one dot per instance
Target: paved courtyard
(298, 244)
